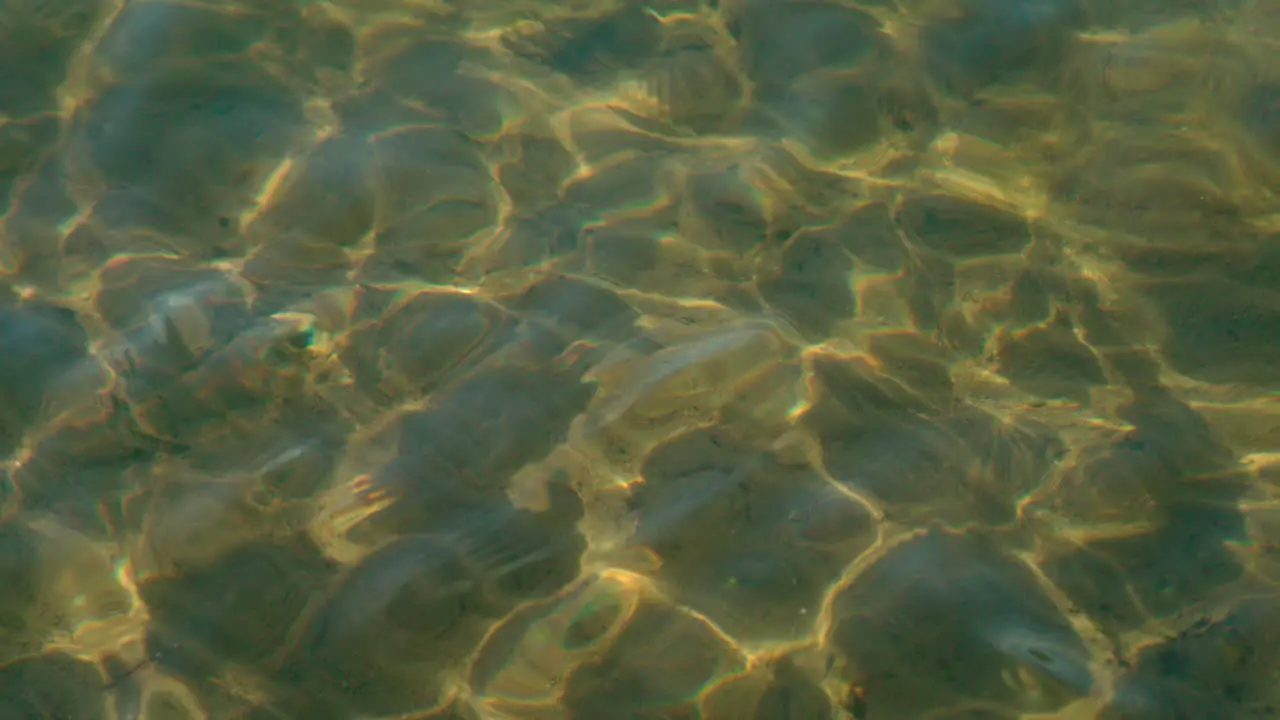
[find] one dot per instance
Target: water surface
(738, 360)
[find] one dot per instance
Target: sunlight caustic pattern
(751, 360)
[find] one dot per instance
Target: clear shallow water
(598, 361)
